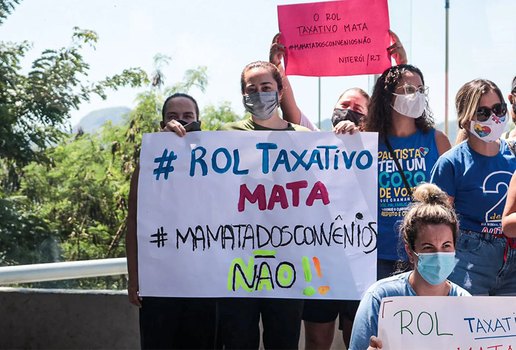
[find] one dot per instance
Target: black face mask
(193, 126)
(346, 114)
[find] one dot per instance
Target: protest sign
(335, 38)
(454, 323)
(262, 214)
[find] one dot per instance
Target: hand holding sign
(396, 50)
(458, 323)
(374, 343)
(335, 38)
(267, 213)
(277, 51)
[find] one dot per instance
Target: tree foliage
(147, 114)
(6, 8)
(214, 116)
(74, 205)
(35, 107)
(25, 238)
(82, 194)
(64, 196)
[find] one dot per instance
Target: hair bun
(431, 194)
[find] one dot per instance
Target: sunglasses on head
(484, 113)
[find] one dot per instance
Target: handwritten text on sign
(454, 323)
(268, 214)
(335, 38)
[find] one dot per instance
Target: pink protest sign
(335, 38)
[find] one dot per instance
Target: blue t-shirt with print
(417, 155)
(478, 184)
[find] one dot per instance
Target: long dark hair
(379, 116)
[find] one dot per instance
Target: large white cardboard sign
(261, 214)
(448, 323)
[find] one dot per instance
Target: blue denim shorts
(487, 264)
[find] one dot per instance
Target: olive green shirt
(250, 125)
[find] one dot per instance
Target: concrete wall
(67, 319)
(74, 319)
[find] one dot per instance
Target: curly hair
(379, 116)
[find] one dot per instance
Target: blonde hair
(431, 206)
(467, 102)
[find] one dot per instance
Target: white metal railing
(62, 270)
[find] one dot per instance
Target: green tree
(81, 195)
(34, 117)
(6, 7)
(35, 107)
(78, 200)
(145, 117)
(214, 116)
(24, 237)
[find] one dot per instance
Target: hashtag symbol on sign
(160, 237)
(164, 164)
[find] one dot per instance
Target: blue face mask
(436, 267)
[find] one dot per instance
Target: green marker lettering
(241, 275)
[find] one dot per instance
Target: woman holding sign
(429, 230)
(319, 316)
(239, 317)
(476, 174)
(351, 104)
(408, 148)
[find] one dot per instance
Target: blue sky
(226, 35)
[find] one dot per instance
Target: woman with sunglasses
(476, 175)
(408, 148)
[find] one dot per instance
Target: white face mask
(410, 105)
(490, 130)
